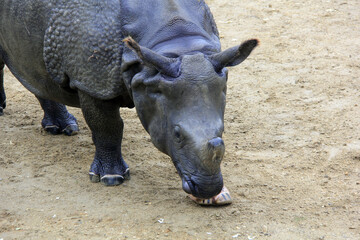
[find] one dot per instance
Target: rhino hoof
(95, 178)
(71, 130)
(127, 174)
(53, 129)
(112, 180)
(2, 107)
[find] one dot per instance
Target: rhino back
(22, 27)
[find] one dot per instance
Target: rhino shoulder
(83, 47)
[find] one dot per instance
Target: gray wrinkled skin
(171, 70)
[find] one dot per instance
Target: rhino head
(180, 102)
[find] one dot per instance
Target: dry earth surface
(292, 161)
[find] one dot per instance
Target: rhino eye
(177, 133)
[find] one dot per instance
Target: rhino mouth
(201, 187)
(188, 186)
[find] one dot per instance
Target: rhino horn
(233, 56)
(165, 65)
(216, 147)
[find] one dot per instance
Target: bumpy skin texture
(71, 52)
(83, 48)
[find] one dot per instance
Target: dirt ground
(292, 135)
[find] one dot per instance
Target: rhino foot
(110, 179)
(109, 172)
(56, 126)
(57, 119)
(71, 129)
(2, 107)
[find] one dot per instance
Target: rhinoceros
(162, 57)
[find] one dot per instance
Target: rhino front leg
(2, 90)
(57, 119)
(103, 118)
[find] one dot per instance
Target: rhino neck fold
(177, 27)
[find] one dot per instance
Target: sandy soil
(292, 161)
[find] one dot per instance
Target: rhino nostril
(216, 143)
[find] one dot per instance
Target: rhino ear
(233, 56)
(165, 65)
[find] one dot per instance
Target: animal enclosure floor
(292, 135)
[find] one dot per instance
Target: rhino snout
(206, 181)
